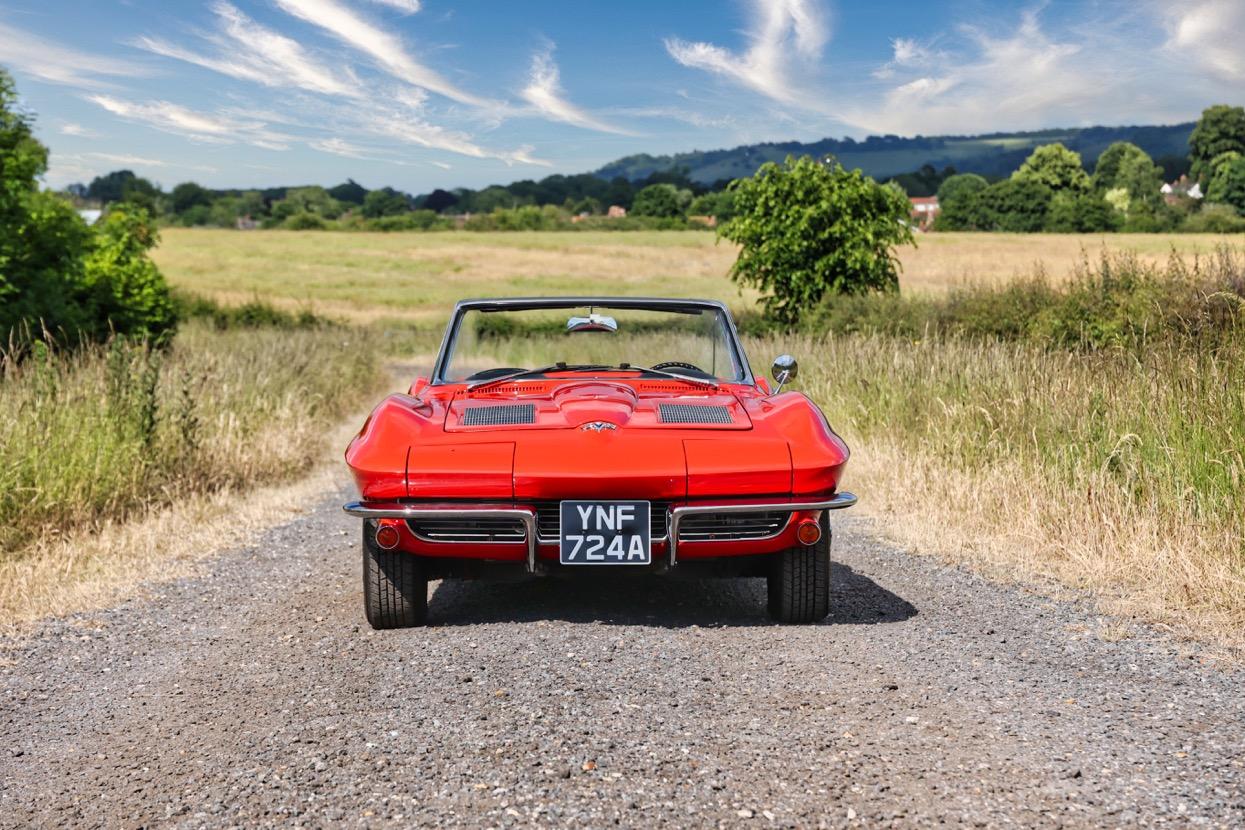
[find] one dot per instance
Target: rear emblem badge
(598, 426)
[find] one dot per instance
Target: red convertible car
(563, 435)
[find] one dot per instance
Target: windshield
(491, 344)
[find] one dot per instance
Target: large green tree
(1056, 167)
(1126, 167)
(1221, 129)
(809, 228)
(657, 200)
(956, 201)
(56, 273)
(1018, 205)
(1227, 185)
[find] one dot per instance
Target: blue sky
(440, 93)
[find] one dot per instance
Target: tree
(385, 202)
(809, 228)
(1080, 213)
(440, 201)
(956, 201)
(1221, 129)
(1016, 205)
(56, 273)
(350, 192)
(657, 200)
(1126, 167)
(188, 195)
(1228, 184)
(1056, 167)
(123, 186)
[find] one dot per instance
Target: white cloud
(404, 6)
(1208, 34)
(1024, 79)
(141, 161)
(77, 130)
(383, 47)
(783, 33)
(251, 52)
(57, 64)
(407, 128)
(210, 128)
(907, 53)
(544, 93)
(442, 165)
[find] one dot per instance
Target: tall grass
(1109, 457)
(103, 433)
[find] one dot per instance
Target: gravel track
(256, 695)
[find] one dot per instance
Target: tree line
(1053, 191)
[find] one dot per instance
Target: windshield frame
(449, 340)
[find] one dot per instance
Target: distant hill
(996, 154)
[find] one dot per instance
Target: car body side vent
(694, 413)
(504, 415)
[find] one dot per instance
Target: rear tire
(799, 581)
(395, 590)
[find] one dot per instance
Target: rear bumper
(532, 543)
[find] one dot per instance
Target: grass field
(364, 276)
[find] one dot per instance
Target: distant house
(924, 211)
(1180, 189)
(245, 223)
(616, 212)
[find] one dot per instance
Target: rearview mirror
(785, 368)
(593, 322)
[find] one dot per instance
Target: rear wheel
(395, 590)
(799, 581)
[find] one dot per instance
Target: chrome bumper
(528, 516)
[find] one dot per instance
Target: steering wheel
(678, 364)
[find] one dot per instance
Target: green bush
(1015, 205)
(807, 229)
(305, 221)
(1214, 219)
(57, 275)
(956, 201)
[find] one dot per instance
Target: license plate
(605, 533)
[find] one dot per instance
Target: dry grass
(1107, 472)
(104, 452)
(365, 276)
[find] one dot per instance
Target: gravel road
(256, 695)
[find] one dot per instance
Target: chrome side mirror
(784, 369)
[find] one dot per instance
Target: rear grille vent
(548, 517)
(694, 413)
(464, 529)
(515, 413)
(705, 527)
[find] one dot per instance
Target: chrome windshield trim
(397, 511)
(840, 501)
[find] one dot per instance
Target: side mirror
(784, 369)
(419, 385)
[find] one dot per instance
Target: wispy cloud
(77, 130)
(383, 47)
(409, 129)
(1208, 34)
(57, 64)
(783, 33)
(1025, 78)
(251, 52)
(200, 126)
(143, 161)
(544, 93)
(404, 6)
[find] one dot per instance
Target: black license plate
(605, 533)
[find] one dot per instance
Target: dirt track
(256, 695)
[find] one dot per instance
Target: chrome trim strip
(786, 523)
(840, 501)
(527, 517)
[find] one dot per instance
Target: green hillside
(996, 154)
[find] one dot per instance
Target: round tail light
(808, 532)
(387, 537)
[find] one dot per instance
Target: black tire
(395, 590)
(799, 581)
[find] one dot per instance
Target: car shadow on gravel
(651, 601)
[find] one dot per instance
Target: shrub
(1214, 219)
(657, 200)
(808, 228)
(1016, 205)
(956, 197)
(126, 292)
(305, 221)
